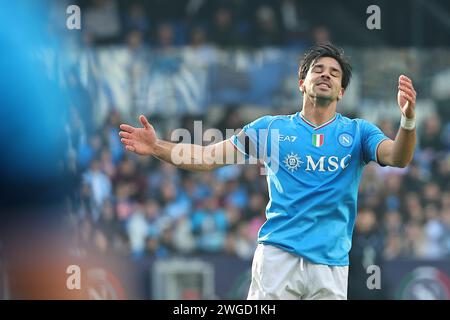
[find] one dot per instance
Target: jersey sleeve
(371, 137)
(252, 139)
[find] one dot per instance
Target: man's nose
(325, 75)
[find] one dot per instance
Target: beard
(323, 98)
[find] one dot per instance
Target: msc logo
(327, 164)
(330, 164)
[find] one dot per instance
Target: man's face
(323, 80)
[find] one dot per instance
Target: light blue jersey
(314, 174)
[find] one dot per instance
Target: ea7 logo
(330, 164)
(282, 137)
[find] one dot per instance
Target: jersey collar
(316, 127)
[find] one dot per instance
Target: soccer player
(314, 159)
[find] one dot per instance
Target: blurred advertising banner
(417, 279)
(53, 275)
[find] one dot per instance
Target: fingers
(125, 135)
(410, 100)
(404, 81)
(407, 96)
(127, 142)
(404, 78)
(144, 122)
(130, 129)
(129, 145)
(127, 128)
(407, 90)
(406, 85)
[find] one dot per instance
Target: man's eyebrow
(317, 65)
(321, 65)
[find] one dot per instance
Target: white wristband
(408, 124)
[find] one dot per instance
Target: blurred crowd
(227, 24)
(139, 206)
(405, 213)
(256, 23)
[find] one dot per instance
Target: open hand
(406, 97)
(139, 140)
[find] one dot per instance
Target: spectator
(245, 243)
(100, 185)
(393, 246)
(138, 231)
(415, 242)
(209, 224)
(321, 35)
(434, 233)
(445, 218)
(294, 22)
(393, 223)
(127, 176)
(199, 52)
(101, 244)
(101, 22)
(135, 42)
(223, 30)
(107, 163)
(431, 194)
(136, 19)
(183, 239)
(165, 36)
(176, 203)
(366, 251)
(267, 31)
(430, 136)
(124, 204)
(88, 149)
(255, 206)
(414, 208)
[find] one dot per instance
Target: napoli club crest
(345, 139)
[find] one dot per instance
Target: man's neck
(318, 115)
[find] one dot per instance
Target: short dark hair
(326, 50)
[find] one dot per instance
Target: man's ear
(301, 85)
(341, 94)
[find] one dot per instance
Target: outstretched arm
(143, 141)
(399, 152)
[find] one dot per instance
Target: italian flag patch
(317, 139)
